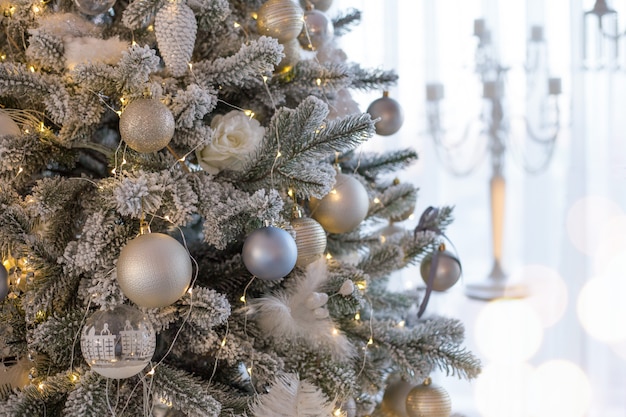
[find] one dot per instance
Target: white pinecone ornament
(175, 27)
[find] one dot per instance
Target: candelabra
(539, 132)
(600, 37)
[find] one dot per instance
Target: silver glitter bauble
(343, 208)
(390, 114)
(147, 125)
(269, 253)
(118, 343)
(394, 398)
(93, 7)
(8, 125)
(280, 19)
(4, 281)
(154, 270)
(310, 240)
(318, 29)
(448, 270)
(428, 400)
(322, 5)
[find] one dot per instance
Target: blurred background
(529, 94)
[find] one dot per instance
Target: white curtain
(565, 228)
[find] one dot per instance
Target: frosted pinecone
(175, 26)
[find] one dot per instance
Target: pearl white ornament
(310, 240)
(7, 125)
(4, 282)
(347, 288)
(448, 270)
(316, 300)
(394, 398)
(390, 114)
(154, 270)
(147, 125)
(318, 30)
(343, 208)
(269, 253)
(93, 7)
(321, 313)
(118, 343)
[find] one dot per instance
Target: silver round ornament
(318, 30)
(344, 207)
(8, 125)
(427, 400)
(154, 270)
(269, 253)
(348, 408)
(93, 7)
(394, 398)
(448, 270)
(4, 282)
(147, 125)
(322, 5)
(310, 240)
(389, 112)
(118, 343)
(280, 19)
(293, 54)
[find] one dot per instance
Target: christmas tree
(188, 226)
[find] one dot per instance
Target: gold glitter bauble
(154, 270)
(428, 400)
(147, 125)
(280, 19)
(343, 208)
(310, 240)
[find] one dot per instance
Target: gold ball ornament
(310, 240)
(394, 398)
(343, 208)
(147, 125)
(448, 270)
(154, 270)
(428, 400)
(389, 112)
(318, 30)
(280, 19)
(8, 125)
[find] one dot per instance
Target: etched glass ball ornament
(269, 253)
(428, 400)
(118, 343)
(280, 19)
(93, 7)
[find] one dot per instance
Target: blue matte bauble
(269, 253)
(4, 282)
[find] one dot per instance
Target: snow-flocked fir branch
(371, 165)
(345, 21)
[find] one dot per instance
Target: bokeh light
(612, 246)
(548, 292)
(559, 389)
(588, 221)
(502, 389)
(508, 331)
(601, 308)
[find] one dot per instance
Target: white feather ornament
(298, 314)
(175, 27)
(290, 397)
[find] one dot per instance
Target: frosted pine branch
(139, 12)
(344, 22)
(251, 62)
(89, 398)
(372, 79)
(46, 49)
(370, 165)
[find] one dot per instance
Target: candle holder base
(496, 286)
